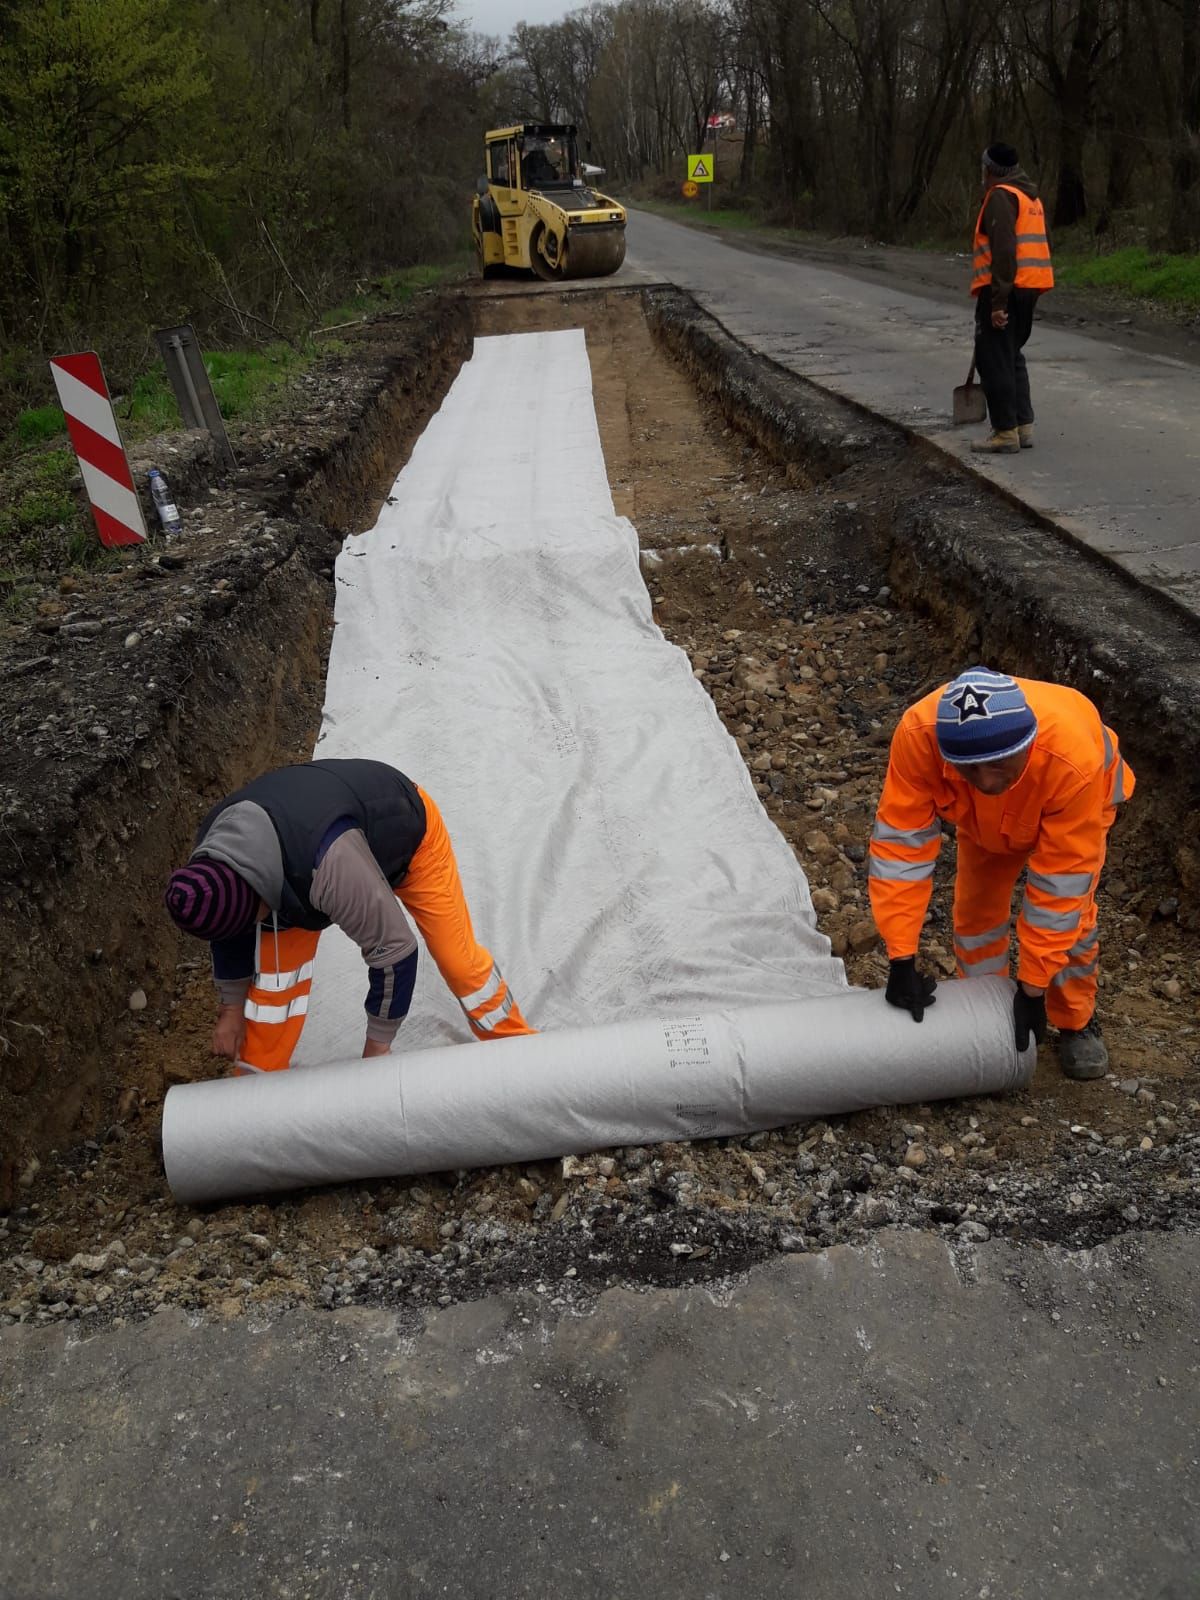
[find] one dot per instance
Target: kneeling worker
(345, 842)
(1031, 778)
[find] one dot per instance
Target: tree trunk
(880, 174)
(1122, 163)
(1075, 115)
(749, 132)
(1184, 227)
(344, 41)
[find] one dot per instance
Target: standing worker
(1031, 778)
(345, 842)
(1012, 270)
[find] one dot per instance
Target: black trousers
(999, 357)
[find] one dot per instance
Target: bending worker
(345, 842)
(1031, 778)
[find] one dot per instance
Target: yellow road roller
(535, 209)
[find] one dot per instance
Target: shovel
(969, 402)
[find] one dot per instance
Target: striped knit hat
(210, 900)
(983, 716)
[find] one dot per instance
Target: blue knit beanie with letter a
(983, 716)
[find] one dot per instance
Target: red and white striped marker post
(92, 424)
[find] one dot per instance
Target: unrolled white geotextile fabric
(494, 640)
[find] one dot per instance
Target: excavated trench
(821, 573)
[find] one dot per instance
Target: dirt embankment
(139, 694)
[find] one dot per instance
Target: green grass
(392, 291)
(1137, 271)
(243, 382)
(149, 407)
(40, 515)
(38, 424)
(42, 492)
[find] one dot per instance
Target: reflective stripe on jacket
(1034, 267)
(1056, 817)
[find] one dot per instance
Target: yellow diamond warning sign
(700, 169)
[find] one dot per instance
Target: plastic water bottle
(168, 512)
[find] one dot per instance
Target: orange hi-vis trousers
(431, 892)
(983, 894)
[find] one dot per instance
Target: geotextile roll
(555, 1094)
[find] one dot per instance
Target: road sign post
(96, 439)
(701, 169)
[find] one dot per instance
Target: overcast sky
(500, 17)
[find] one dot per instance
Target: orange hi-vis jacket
(1034, 267)
(1057, 816)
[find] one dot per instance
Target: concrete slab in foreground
(998, 1423)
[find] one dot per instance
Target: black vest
(303, 803)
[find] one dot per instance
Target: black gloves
(909, 989)
(1029, 1016)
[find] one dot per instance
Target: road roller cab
(534, 209)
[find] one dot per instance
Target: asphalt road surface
(975, 1423)
(1117, 460)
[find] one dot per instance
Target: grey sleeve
(232, 991)
(383, 1029)
(349, 888)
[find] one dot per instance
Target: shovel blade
(969, 404)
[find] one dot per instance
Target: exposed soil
(764, 577)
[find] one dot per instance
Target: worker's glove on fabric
(908, 989)
(1029, 1016)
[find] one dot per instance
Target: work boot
(1003, 442)
(1082, 1053)
(1025, 435)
